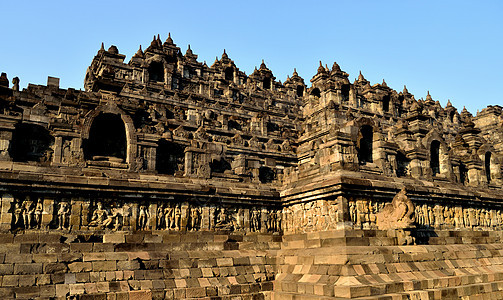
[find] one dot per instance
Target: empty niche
(169, 157)
(31, 143)
(233, 124)
(266, 174)
(487, 166)
(365, 144)
(402, 164)
(267, 83)
(107, 139)
(219, 165)
(272, 127)
(463, 173)
(435, 157)
(385, 103)
(316, 92)
(229, 74)
(345, 92)
(300, 91)
(156, 72)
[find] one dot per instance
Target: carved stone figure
(397, 214)
(195, 218)
(178, 217)
(160, 217)
(17, 211)
(169, 216)
(255, 219)
(63, 213)
(28, 212)
(100, 218)
(143, 218)
(38, 213)
(278, 220)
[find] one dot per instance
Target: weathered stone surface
(169, 178)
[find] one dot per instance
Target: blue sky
(451, 48)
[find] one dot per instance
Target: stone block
(43, 279)
(33, 268)
(140, 295)
(11, 258)
(114, 238)
(6, 269)
(45, 257)
(27, 280)
(27, 292)
(77, 289)
(47, 291)
(104, 266)
(55, 268)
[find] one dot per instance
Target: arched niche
(403, 164)
(300, 90)
(156, 69)
(156, 72)
(364, 144)
(107, 139)
(345, 92)
(31, 142)
(439, 161)
(386, 103)
(435, 157)
(229, 74)
(120, 124)
(266, 83)
(491, 164)
(487, 166)
(316, 92)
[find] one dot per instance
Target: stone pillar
(151, 158)
(188, 164)
(5, 138)
(185, 216)
(263, 220)
(79, 213)
(134, 216)
(48, 213)
(246, 220)
(5, 215)
(205, 218)
(344, 221)
(58, 150)
(152, 210)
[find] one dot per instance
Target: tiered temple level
(163, 145)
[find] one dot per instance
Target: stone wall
(146, 265)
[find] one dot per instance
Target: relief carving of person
(143, 218)
(195, 218)
(38, 213)
(99, 216)
(169, 216)
(28, 211)
(178, 217)
(63, 212)
(17, 213)
(160, 216)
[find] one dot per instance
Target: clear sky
(451, 48)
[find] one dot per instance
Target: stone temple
(167, 178)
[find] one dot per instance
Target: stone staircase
(369, 264)
(145, 265)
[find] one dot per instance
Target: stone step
(492, 290)
(296, 296)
